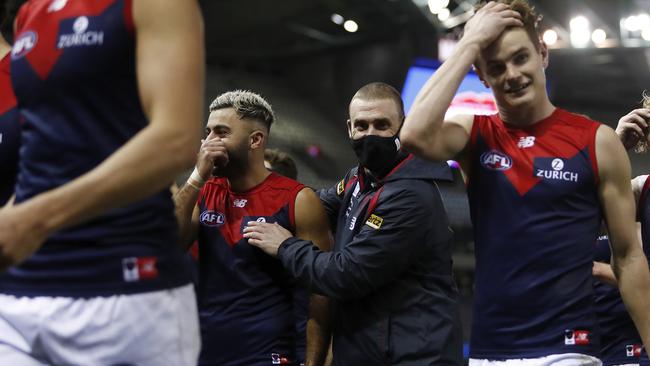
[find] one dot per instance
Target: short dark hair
(379, 90)
(246, 104)
(528, 16)
(8, 12)
(281, 163)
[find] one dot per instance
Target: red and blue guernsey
(249, 311)
(536, 215)
(73, 72)
(621, 342)
(9, 133)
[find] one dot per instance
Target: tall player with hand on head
(540, 179)
(110, 92)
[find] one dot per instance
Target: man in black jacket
(390, 274)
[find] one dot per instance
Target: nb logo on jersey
(524, 142)
(496, 160)
(212, 218)
(23, 44)
(81, 35)
(56, 5)
(240, 202)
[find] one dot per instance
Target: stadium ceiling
(263, 32)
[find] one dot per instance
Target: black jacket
(390, 274)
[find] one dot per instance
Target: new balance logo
(524, 142)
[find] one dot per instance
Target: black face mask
(376, 153)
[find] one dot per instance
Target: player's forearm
(147, 164)
(634, 285)
(425, 119)
(185, 201)
(318, 331)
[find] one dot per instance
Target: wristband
(197, 177)
(189, 182)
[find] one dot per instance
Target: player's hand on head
(212, 153)
(633, 127)
(265, 236)
(489, 22)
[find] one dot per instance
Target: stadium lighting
(633, 23)
(645, 33)
(598, 36)
(436, 6)
(337, 19)
(550, 37)
(351, 26)
(444, 14)
(580, 33)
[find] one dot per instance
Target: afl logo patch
(23, 44)
(212, 218)
(496, 160)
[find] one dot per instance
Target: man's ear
(349, 123)
(543, 49)
(257, 138)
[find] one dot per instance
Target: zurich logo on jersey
(557, 171)
(23, 44)
(496, 160)
(212, 218)
(81, 36)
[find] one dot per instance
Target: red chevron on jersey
(42, 39)
(229, 211)
(515, 150)
(8, 100)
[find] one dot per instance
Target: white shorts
(149, 329)
(564, 359)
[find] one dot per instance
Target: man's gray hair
(246, 104)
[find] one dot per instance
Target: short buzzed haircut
(247, 105)
(379, 90)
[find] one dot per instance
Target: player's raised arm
(628, 261)
(425, 132)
